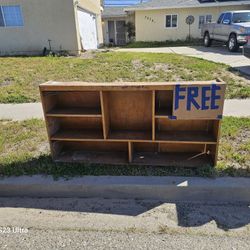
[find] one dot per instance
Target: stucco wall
(94, 6)
(43, 20)
(146, 30)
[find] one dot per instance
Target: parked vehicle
(246, 49)
(232, 27)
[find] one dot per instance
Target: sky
(121, 2)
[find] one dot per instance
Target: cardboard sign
(199, 101)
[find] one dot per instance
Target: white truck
(232, 27)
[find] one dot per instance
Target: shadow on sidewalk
(226, 216)
(243, 71)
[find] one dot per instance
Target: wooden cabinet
(127, 123)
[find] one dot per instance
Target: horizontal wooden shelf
(75, 112)
(93, 157)
(185, 136)
(77, 135)
(124, 135)
(172, 159)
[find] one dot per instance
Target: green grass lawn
(20, 76)
(24, 151)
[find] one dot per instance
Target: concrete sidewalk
(217, 54)
(19, 112)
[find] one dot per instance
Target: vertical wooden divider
(217, 134)
(105, 114)
(130, 151)
(53, 153)
(153, 115)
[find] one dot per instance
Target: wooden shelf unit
(127, 123)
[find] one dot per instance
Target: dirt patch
(162, 66)
(43, 148)
(88, 55)
(6, 82)
(137, 64)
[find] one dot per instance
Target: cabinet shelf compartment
(129, 115)
(196, 131)
(75, 129)
(130, 135)
(74, 112)
(163, 103)
(72, 104)
(91, 152)
(173, 154)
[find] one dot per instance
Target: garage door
(87, 28)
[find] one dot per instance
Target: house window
(204, 19)
(1, 18)
(11, 16)
(171, 21)
(208, 18)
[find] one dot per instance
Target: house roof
(175, 4)
(113, 12)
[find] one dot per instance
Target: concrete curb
(171, 189)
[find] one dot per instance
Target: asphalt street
(121, 224)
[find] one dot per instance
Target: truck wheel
(207, 41)
(233, 45)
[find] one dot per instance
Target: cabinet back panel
(184, 125)
(145, 147)
(181, 148)
(77, 123)
(96, 146)
(78, 99)
(163, 99)
(130, 110)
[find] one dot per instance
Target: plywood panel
(145, 147)
(97, 146)
(79, 123)
(163, 99)
(178, 147)
(105, 114)
(153, 115)
(171, 159)
(130, 110)
(186, 136)
(78, 99)
(48, 100)
(184, 125)
(74, 112)
(130, 151)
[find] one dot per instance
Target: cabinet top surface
(120, 85)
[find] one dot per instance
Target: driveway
(218, 54)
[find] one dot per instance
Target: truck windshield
(241, 17)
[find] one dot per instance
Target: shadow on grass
(44, 165)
